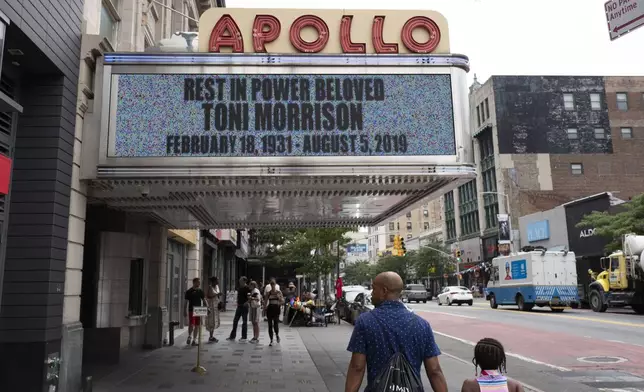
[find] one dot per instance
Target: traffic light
(397, 247)
(403, 250)
(458, 256)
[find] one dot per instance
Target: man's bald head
(388, 286)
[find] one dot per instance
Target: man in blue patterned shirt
(390, 325)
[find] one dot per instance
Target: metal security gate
(7, 141)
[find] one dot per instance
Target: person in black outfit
(194, 297)
(274, 300)
(243, 296)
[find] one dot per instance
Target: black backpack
(398, 375)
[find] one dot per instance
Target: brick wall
(621, 172)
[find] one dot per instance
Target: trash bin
(172, 325)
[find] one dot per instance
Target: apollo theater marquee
(294, 118)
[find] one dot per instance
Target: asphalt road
(550, 351)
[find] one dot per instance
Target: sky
(515, 37)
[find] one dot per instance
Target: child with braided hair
(489, 356)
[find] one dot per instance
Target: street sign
(200, 311)
(623, 16)
(299, 276)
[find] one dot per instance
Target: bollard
(88, 384)
(172, 325)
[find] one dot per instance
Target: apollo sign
(322, 31)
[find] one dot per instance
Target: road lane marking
(571, 317)
(507, 353)
(447, 313)
(527, 387)
(626, 343)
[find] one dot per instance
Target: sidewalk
(307, 360)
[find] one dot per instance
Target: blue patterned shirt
(390, 328)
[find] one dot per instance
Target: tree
(402, 265)
(433, 260)
(311, 249)
(613, 227)
(358, 272)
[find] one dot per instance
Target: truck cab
(621, 283)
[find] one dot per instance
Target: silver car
(415, 292)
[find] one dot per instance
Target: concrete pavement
(315, 359)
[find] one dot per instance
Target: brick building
(541, 141)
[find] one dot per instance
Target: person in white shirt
(255, 303)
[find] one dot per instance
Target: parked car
(415, 292)
(343, 307)
(363, 304)
(455, 295)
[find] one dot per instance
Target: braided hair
(490, 355)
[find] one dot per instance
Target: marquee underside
(285, 202)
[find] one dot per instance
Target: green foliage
(311, 249)
(613, 227)
(402, 265)
(358, 273)
(433, 260)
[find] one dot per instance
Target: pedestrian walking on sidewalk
(194, 297)
(255, 304)
(489, 356)
(274, 300)
(389, 329)
(213, 298)
(243, 296)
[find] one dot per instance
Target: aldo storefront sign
(582, 240)
(231, 30)
(538, 231)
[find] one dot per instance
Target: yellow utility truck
(621, 283)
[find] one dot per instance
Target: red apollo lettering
(266, 28)
(226, 33)
(345, 37)
(379, 43)
(295, 34)
(429, 25)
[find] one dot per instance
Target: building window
(425, 213)
(488, 175)
(595, 101)
(391, 238)
(622, 101)
(487, 109)
(600, 133)
(627, 133)
(392, 226)
(468, 208)
(577, 169)
(478, 116)
(408, 215)
(450, 221)
(569, 102)
(425, 226)
(572, 134)
(135, 305)
(109, 20)
(408, 225)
